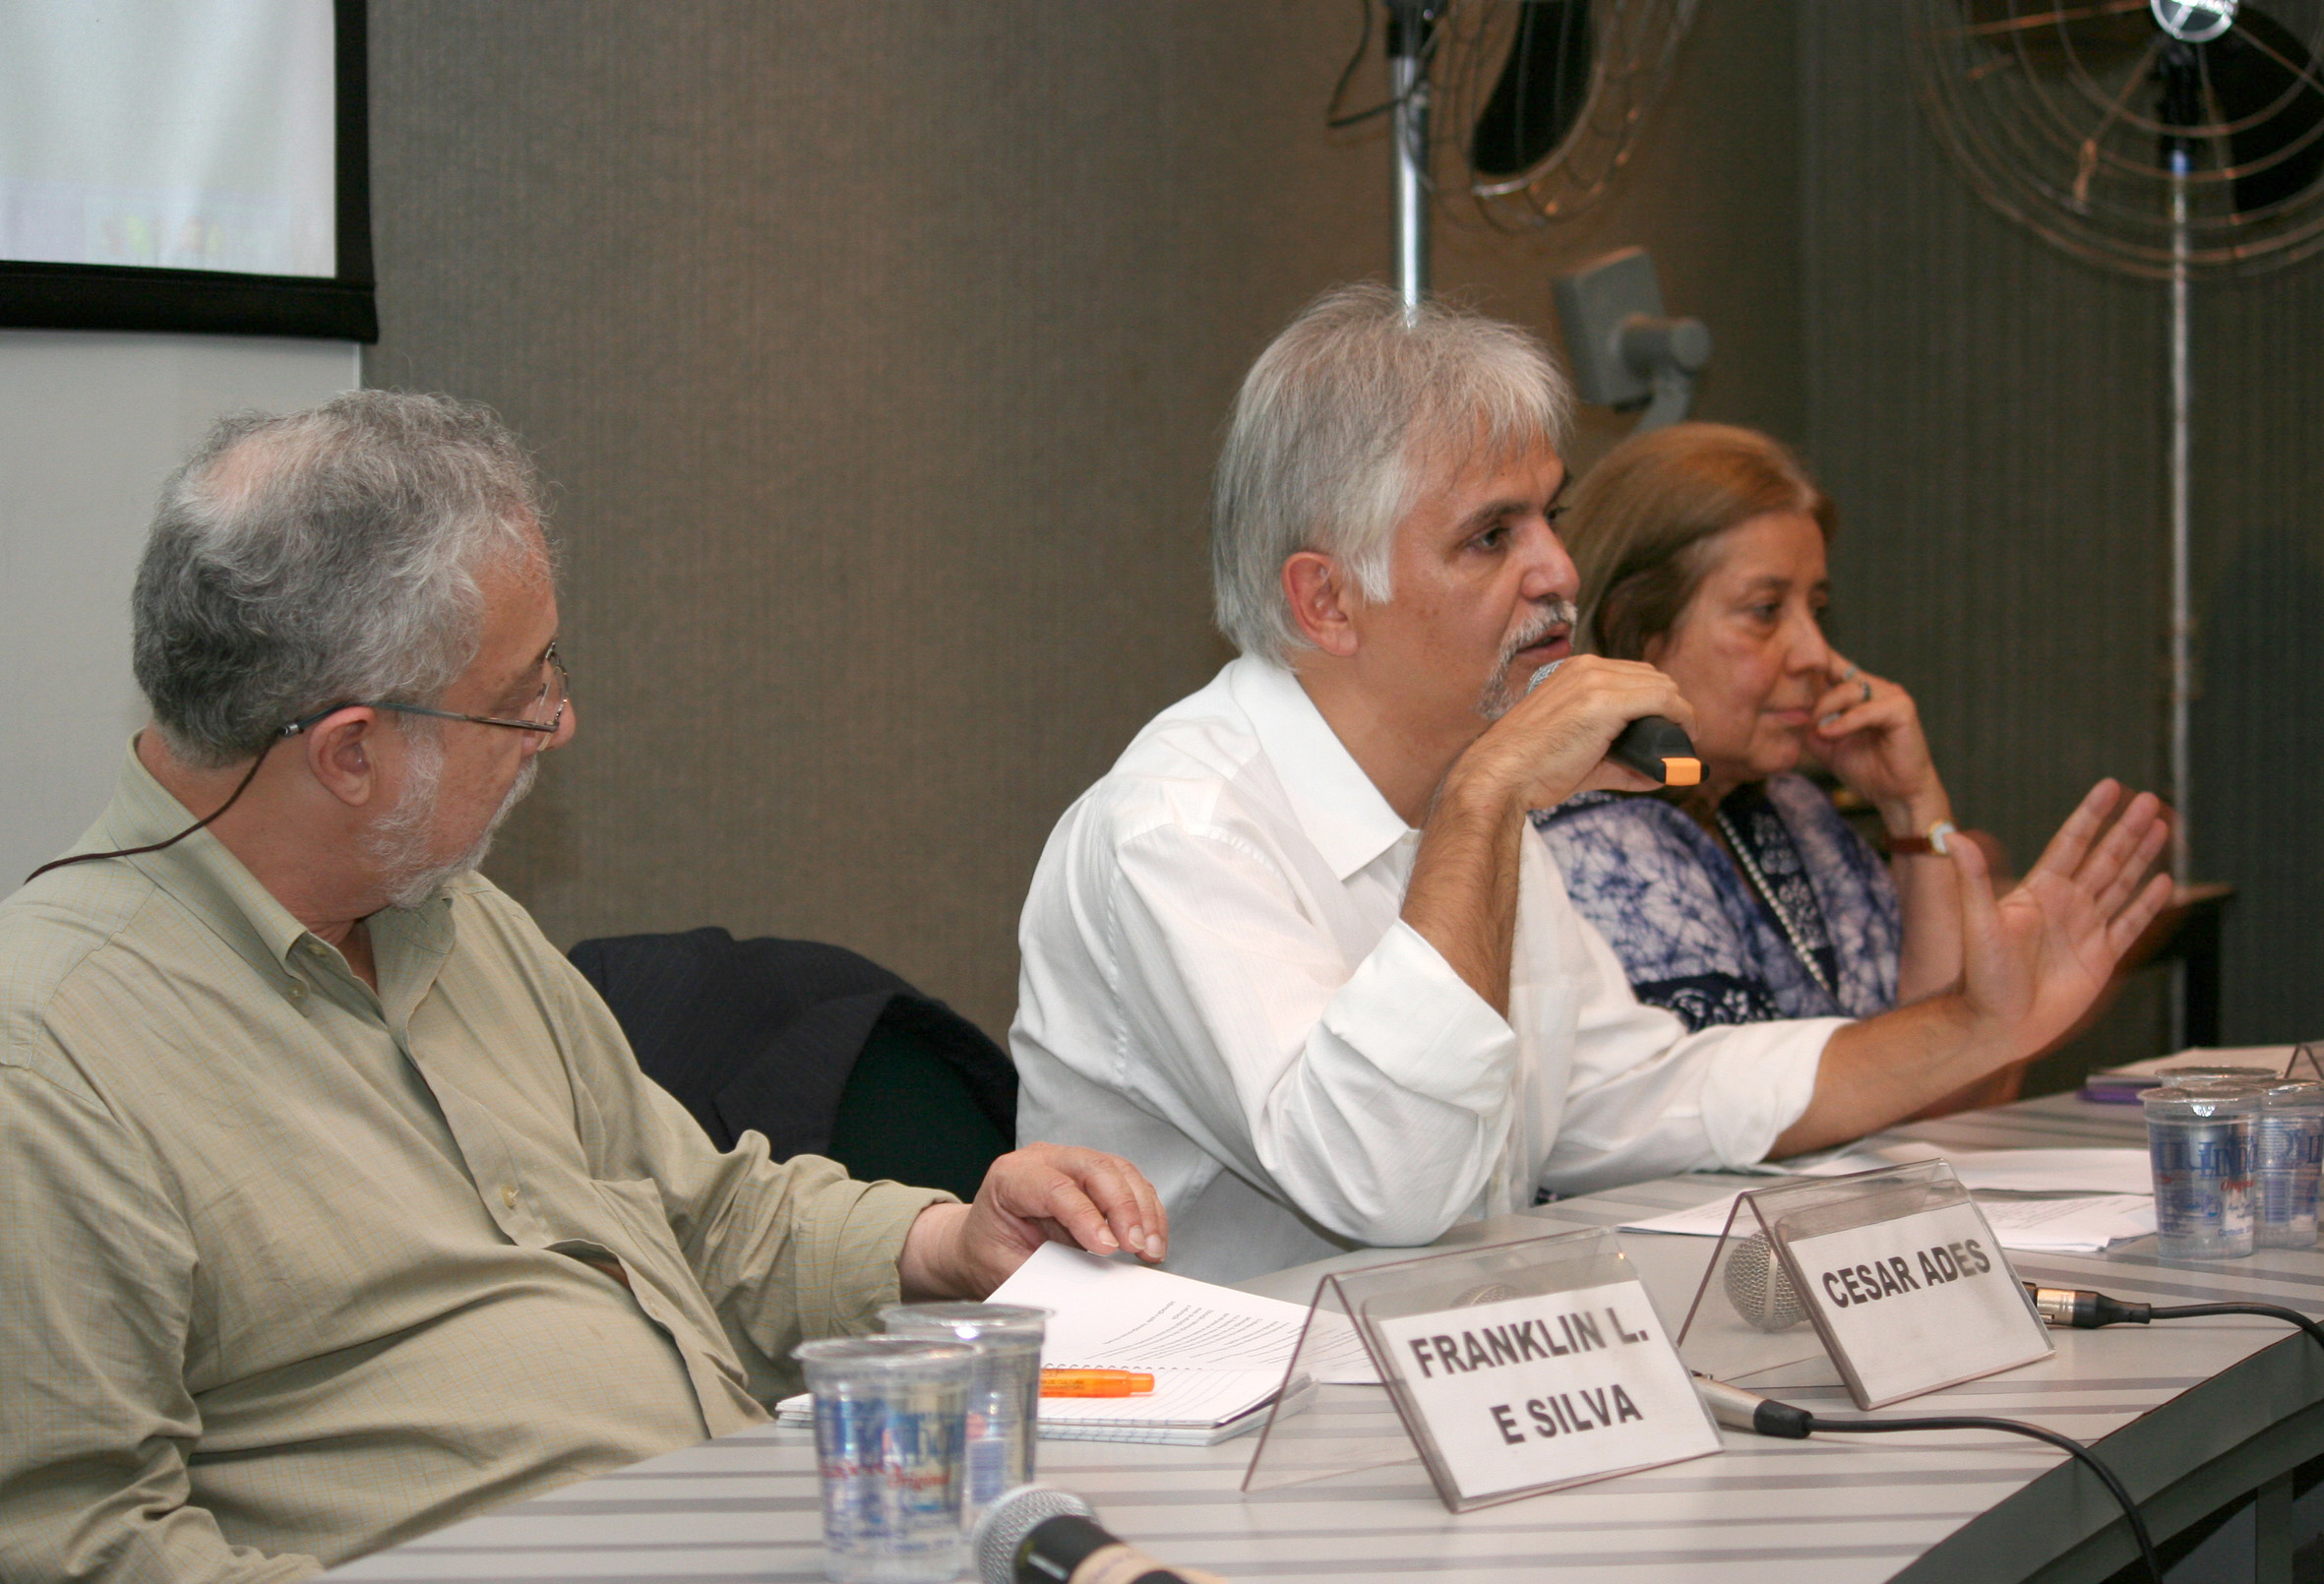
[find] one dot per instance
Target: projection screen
(185, 164)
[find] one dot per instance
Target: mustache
(1556, 616)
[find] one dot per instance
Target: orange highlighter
(1095, 1383)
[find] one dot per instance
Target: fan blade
(2093, 38)
(1542, 89)
(2251, 67)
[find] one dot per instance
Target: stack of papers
(2031, 1225)
(2012, 1171)
(1217, 1355)
(2096, 1198)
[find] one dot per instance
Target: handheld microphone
(1654, 746)
(1036, 1534)
(1660, 749)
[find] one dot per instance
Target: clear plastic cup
(2189, 1077)
(2200, 1142)
(1004, 1390)
(2287, 1166)
(891, 1416)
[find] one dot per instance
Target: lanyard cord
(156, 846)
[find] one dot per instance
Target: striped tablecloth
(2189, 1415)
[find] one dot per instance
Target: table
(2191, 1415)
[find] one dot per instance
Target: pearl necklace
(1783, 917)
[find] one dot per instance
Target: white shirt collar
(1342, 813)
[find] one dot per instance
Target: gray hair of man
(1342, 422)
(325, 557)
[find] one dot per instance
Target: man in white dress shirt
(1299, 954)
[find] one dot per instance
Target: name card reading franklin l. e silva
(1549, 1389)
(1920, 1301)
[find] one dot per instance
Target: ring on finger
(1848, 675)
(1867, 687)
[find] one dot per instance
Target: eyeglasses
(544, 714)
(555, 689)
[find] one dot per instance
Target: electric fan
(2168, 139)
(2147, 136)
(1543, 98)
(1541, 101)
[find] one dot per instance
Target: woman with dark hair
(1747, 898)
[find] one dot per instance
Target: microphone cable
(1742, 1408)
(2078, 1308)
(2064, 1443)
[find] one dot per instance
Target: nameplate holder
(1894, 1274)
(1507, 1370)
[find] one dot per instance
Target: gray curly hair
(1333, 431)
(324, 556)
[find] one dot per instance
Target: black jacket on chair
(765, 1033)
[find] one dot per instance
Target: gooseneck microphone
(1654, 746)
(1036, 1534)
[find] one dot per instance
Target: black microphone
(1660, 749)
(1654, 746)
(1036, 1534)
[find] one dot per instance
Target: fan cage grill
(2055, 111)
(1634, 52)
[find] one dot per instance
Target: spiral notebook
(1186, 1408)
(1217, 1355)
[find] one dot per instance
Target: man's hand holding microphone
(1555, 741)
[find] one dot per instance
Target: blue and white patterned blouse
(1691, 932)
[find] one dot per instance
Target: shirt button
(296, 991)
(508, 1194)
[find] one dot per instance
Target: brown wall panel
(878, 353)
(1989, 414)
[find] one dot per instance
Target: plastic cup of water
(890, 1417)
(1004, 1388)
(2289, 1165)
(2200, 1142)
(2189, 1076)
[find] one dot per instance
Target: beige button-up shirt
(287, 1269)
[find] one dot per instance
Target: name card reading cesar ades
(1549, 1389)
(1920, 1301)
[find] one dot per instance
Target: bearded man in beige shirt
(334, 1206)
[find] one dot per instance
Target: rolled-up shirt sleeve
(1375, 1097)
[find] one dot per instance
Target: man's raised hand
(2034, 960)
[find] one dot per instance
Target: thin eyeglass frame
(561, 679)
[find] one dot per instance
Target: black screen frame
(211, 302)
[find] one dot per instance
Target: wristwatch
(1932, 840)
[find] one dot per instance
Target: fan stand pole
(2183, 619)
(1408, 90)
(2183, 615)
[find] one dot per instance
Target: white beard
(399, 843)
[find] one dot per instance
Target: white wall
(89, 425)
